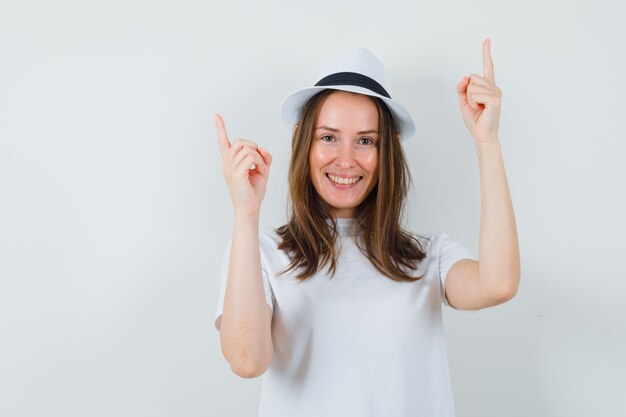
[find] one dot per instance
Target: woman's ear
(398, 136)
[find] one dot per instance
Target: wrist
(489, 144)
(246, 219)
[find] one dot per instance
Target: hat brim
(293, 104)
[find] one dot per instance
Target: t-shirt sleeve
(269, 294)
(450, 252)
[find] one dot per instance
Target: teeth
(345, 181)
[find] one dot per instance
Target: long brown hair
(310, 234)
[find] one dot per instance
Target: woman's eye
(327, 138)
(366, 141)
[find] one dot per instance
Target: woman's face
(344, 152)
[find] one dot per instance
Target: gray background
(114, 215)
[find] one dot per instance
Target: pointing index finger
(487, 62)
(222, 136)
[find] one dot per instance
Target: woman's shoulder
(272, 254)
(269, 239)
(269, 236)
(440, 244)
(429, 240)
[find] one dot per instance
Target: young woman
(340, 308)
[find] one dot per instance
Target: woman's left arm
(494, 278)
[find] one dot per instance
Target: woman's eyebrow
(332, 129)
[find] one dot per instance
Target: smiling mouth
(342, 180)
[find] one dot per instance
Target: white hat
(356, 70)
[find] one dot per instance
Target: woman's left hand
(479, 100)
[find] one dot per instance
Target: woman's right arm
(245, 330)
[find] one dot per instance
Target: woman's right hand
(246, 167)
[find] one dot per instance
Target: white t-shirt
(358, 344)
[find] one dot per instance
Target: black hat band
(353, 78)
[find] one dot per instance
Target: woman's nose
(345, 156)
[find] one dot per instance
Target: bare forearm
(499, 266)
(246, 319)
